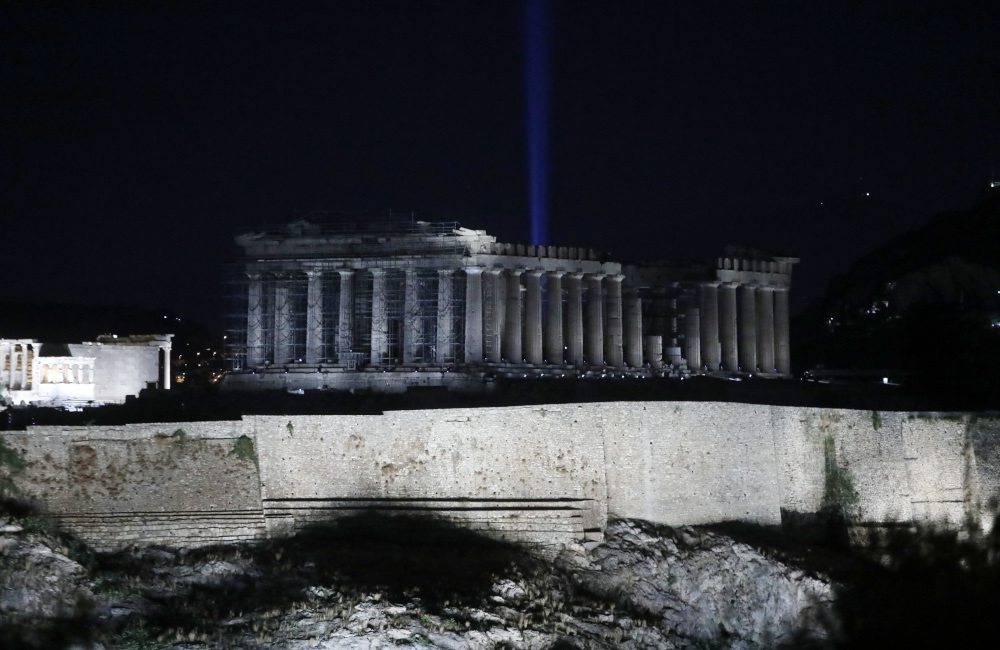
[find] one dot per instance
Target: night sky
(137, 138)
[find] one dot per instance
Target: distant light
(885, 380)
(867, 193)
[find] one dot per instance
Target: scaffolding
(267, 316)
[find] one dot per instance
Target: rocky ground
(386, 582)
(390, 582)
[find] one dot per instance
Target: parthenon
(340, 302)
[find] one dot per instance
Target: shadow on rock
(328, 568)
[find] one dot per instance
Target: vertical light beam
(536, 72)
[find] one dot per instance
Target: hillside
(926, 303)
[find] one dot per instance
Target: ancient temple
(340, 302)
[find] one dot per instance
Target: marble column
(167, 371)
(473, 314)
(593, 335)
(380, 319)
(314, 317)
(710, 349)
(255, 316)
(412, 325)
(633, 330)
(613, 320)
(533, 318)
(782, 352)
(727, 326)
(345, 318)
(654, 351)
(493, 309)
(282, 323)
(574, 319)
(765, 329)
(512, 325)
(445, 318)
(554, 350)
(692, 338)
(24, 367)
(748, 327)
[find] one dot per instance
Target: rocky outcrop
(37, 582)
(645, 587)
(706, 587)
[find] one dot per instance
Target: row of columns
(560, 334)
(15, 360)
(739, 327)
(610, 333)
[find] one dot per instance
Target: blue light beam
(537, 18)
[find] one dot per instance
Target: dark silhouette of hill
(926, 303)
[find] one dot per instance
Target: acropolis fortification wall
(542, 474)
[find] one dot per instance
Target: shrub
(244, 450)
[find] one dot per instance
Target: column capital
(730, 285)
(576, 275)
(313, 273)
(515, 271)
(710, 283)
(557, 274)
(535, 272)
(446, 273)
(778, 287)
(473, 270)
(493, 271)
(766, 287)
(615, 277)
(253, 276)
(377, 271)
(596, 276)
(347, 272)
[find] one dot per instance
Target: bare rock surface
(645, 587)
(705, 586)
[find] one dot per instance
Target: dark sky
(136, 138)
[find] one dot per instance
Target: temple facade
(345, 303)
(76, 375)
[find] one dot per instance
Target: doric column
(345, 319)
(282, 323)
(445, 317)
(574, 319)
(782, 352)
(765, 329)
(412, 324)
(473, 314)
(613, 319)
(533, 318)
(710, 352)
(692, 338)
(24, 366)
(748, 327)
(512, 326)
(314, 317)
(593, 335)
(380, 318)
(727, 326)
(493, 309)
(255, 317)
(633, 330)
(554, 350)
(654, 351)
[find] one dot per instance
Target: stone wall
(178, 484)
(545, 474)
(120, 370)
(519, 473)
